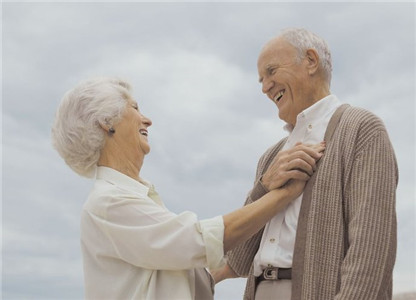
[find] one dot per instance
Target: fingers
(303, 157)
(289, 176)
(297, 163)
(299, 158)
(319, 147)
(298, 175)
(306, 164)
(315, 151)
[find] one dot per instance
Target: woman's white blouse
(134, 248)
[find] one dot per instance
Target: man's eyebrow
(270, 66)
(267, 68)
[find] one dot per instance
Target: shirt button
(272, 240)
(310, 126)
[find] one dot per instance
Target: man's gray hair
(303, 39)
(76, 132)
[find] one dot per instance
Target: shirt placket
(272, 240)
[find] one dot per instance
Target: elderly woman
(133, 247)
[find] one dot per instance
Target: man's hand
(297, 163)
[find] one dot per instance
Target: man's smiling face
(284, 79)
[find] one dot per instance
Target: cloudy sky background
(193, 69)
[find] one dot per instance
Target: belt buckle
(271, 273)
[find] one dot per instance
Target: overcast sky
(193, 70)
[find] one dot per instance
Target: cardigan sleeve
(370, 194)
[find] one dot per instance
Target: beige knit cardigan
(346, 236)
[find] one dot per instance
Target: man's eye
(272, 71)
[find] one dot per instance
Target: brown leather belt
(274, 273)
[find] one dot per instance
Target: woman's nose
(147, 121)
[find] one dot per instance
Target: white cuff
(213, 235)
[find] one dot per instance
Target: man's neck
(320, 94)
(315, 96)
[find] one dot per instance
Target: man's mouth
(278, 96)
(143, 132)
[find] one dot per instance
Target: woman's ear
(107, 127)
(312, 58)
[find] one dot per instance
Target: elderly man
(338, 239)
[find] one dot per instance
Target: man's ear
(312, 58)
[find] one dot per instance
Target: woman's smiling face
(132, 129)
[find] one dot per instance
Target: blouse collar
(117, 178)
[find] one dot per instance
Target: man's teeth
(279, 96)
(143, 132)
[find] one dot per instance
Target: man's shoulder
(358, 127)
(361, 118)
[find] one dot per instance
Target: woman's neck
(118, 161)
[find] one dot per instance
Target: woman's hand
(223, 273)
(294, 187)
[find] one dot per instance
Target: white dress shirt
(278, 240)
(135, 248)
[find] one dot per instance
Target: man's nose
(266, 86)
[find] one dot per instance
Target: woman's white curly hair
(76, 132)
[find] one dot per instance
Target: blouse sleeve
(147, 235)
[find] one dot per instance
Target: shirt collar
(117, 178)
(315, 111)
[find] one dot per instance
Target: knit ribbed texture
(348, 247)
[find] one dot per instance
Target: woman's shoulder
(106, 197)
